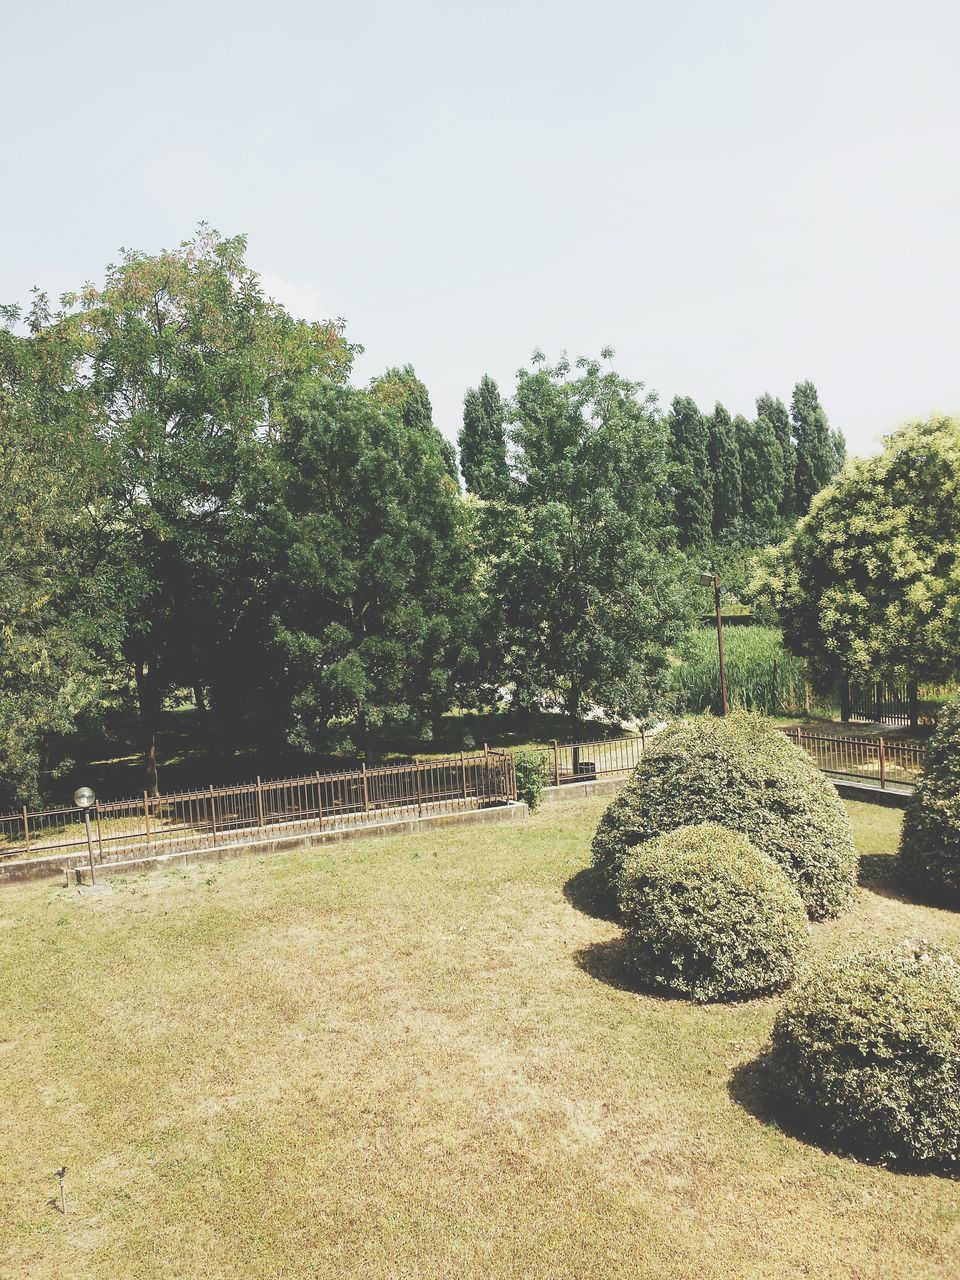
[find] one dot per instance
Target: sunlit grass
(400, 1058)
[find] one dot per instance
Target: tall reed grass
(762, 675)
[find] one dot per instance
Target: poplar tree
(483, 441)
(724, 454)
(775, 413)
(691, 479)
(816, 451)
(761, 462)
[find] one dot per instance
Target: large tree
(724, 454)
(586, 587)
(366, 618)
(186, 376)
(816, 451)
(868, 585)
(56, 628)
(483, 441)
(404, 390)
(772, 411)
(761, 466)
(692, 480)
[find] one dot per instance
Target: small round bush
(930, 841)
(866, 1052)
(710, 916)
(742, 772)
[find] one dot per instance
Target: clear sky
(734, 196)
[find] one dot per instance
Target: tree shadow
(752, 1087)
(587, 893)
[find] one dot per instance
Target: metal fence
(584, 761)
(361, 797)
(124, 829)
(876, 762)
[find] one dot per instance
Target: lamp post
(84, 798)
(713, 580)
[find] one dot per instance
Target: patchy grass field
(410, 1058)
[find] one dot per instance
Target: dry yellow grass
(400, 1058)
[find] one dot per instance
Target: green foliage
(930, 843)
(741, 772)
(483, 442)
(691, 478)
(367, 611)
(725, 465)
(585, 590)
(817, 447)
(761, 674)
(773, 413)
(403, 390)
(55, 625)
(762, 476)
(866, 1051)
(531, 769)
(710, 916)
(868, 585)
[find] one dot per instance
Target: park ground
(414, 1057)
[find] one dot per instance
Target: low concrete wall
(578, 790)
(77, 867)
(888, 797)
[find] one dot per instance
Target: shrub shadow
(586, 892)
(609, 962)
(881, 874)
(751, 1087)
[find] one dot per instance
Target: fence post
(259, 803)
(213, 814)
(416, 774)
(319, 797)
(366, 796)
(463, 777)
(883, 764)
(556, 764)
(26, 830)
(486, 771)
(146, 818)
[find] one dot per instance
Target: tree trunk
(148, 698)
(366, 735)
(199, 699)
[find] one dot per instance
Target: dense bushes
(930, 843)
(867, 1050)
(531, 768)
(761, 674)
(740, 772)
(710, 916)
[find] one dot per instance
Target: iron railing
(123, 829)
(876, 762)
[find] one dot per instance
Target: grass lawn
(410, 1058)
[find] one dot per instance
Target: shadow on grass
(881, 873)
(609, 962)
(752, 1087)
(587, 892)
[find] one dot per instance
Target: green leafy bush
(531, 769)
(708, 915)
(762, 675)
(866, 1053)
(930, 842)
(741, 772)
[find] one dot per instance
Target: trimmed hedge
(743, 773)
(866, 1052)
(930, 842)
(710, 916)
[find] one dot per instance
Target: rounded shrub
(866, 1054)
(710, 916)
(930, 842)
(741, 772)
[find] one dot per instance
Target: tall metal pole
(723, 668)
(86, 823)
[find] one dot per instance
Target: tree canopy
(868, 584)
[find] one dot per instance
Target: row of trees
(733, 480)
(196, 497)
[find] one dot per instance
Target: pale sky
(734, 196)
